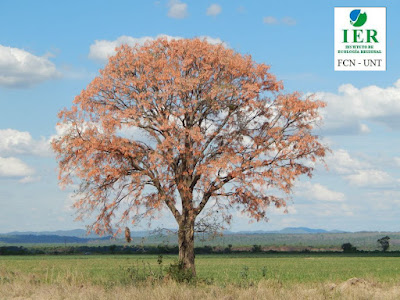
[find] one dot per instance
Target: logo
(358, 19)
(360, 44)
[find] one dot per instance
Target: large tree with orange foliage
(182, 124)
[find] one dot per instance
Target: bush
(142, 272)
(177, 272)
(348, 248)
(228, 249)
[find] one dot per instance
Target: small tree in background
(348, 248)
(193, 127)
(384, 243)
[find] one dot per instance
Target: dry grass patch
(354, 288)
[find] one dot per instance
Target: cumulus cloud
(14, 167)
(177, 9)
(14, 142)
(341, 162)
(214, 10)
(270, 20)
(348, 110)
(359, 172)
(101, 50)
(19, 68)
(319, 192)
(319, 201)
(370, 178)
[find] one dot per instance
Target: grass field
(278, 274)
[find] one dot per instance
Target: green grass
(303, 269)
(221, 269)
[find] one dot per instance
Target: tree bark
(186, 245)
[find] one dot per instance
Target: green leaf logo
(357, 18)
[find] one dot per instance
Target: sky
(50, 51)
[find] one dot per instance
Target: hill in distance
(81, 233)
(288, 230)
(46, 239)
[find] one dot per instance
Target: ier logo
(357, 18)
(360, 39)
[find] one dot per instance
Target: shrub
(228, 249)
(177, 272)
(256, 248)
(348, 248)
(244, 273)
(264, 271)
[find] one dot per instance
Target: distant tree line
(383, 243)
(166, 249)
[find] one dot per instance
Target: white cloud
(101, 50)
(328, 210)
(341, 162)
(388, 199)
(363, 171)
(213, 41)
(30, 179)
(370, 178)
(14, 167)
(397, 161)
(14, 142)
(364, 128)
(177, 9)
(318, 192)
(214, 10)
(286, 21)
(347, 110)
(270, 20)
(322, 193)
(19, 68)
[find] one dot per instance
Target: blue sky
(49, 53)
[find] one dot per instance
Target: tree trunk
(186, 245)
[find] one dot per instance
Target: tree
(384, 243)
(182, 124)
(348, 248)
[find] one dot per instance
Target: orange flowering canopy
(180, 123)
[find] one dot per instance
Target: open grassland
(263, 276)
(219, 269)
